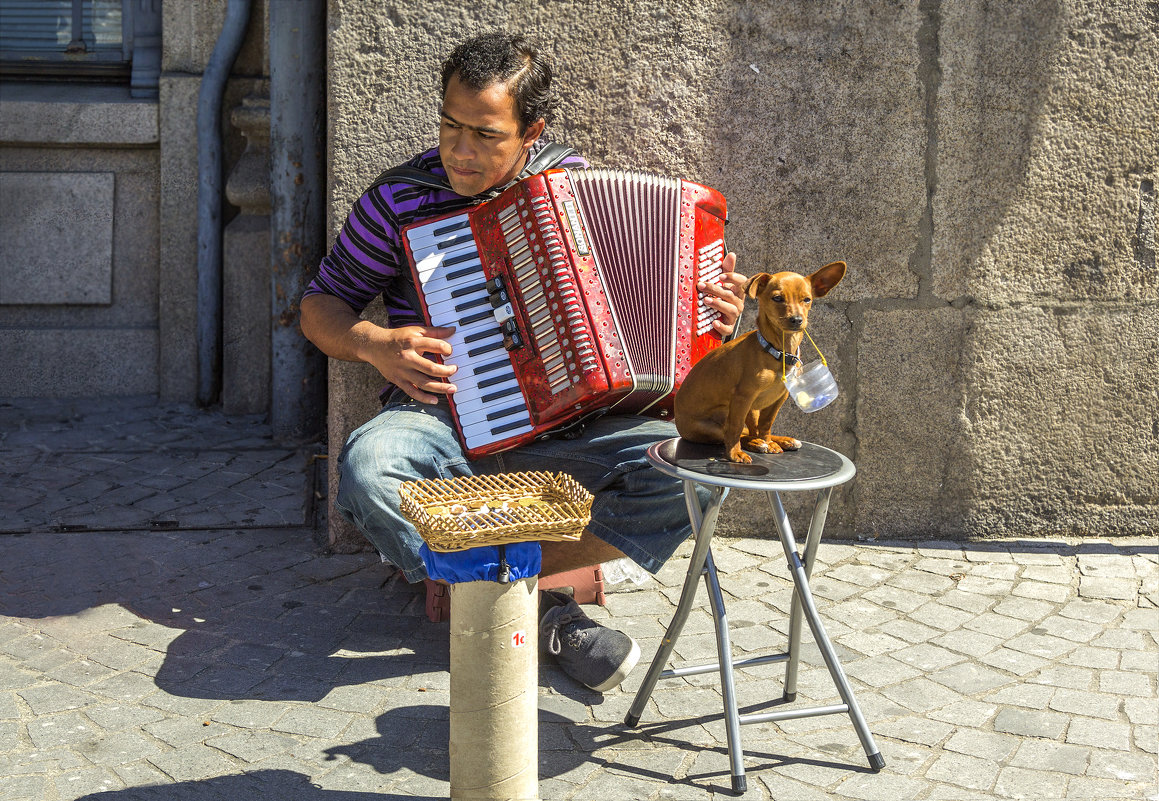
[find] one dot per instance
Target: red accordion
(572, 293)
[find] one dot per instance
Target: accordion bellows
(471, 511)
(573, 293)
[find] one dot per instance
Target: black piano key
(485, 349)
(503, 393)
(495, 379)
(482, 301)
(465, 290)
(475, 337)
(509, 427)
(464, 222)
(458, 240)
(510, 410)
(491, 367)
(476, 317)
(465, 271)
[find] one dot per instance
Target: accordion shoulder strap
(549, 156)
(411, 175)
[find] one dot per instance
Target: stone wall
(78, 281)
(98, 213)
(987, 172)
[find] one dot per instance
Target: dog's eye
(779, 298)
(807, 300)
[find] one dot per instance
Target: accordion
(573, 293)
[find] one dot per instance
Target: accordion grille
(633, 221)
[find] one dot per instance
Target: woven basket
(520, 507)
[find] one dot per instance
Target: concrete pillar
(245, 268)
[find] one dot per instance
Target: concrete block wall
(987, 171)
(98, 208)
(78, 281)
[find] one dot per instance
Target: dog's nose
(796, 320)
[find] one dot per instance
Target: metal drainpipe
(297, 218)
(209, 192)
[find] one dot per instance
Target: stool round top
(811, 467)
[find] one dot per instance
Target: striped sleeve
(366, 256)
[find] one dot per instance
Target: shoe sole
(621, 672)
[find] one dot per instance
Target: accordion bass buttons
(512, 339)
(504, 312)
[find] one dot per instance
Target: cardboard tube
(494, 744)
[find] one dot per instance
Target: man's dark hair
(502, 58)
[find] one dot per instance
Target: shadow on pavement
(253, 614)
(273, 784)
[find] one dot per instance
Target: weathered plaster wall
(988, 174)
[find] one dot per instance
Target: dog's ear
(827, 277)
(755, 285)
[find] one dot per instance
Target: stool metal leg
(727, 685)
(801, 583)
(702, 529)
(816, 526)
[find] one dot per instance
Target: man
(497, 101)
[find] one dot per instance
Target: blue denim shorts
(637, 509)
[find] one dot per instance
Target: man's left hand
(727, 297)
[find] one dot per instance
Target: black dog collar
(789, 358)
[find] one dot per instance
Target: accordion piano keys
(489, 402)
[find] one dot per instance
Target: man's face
(479, 139)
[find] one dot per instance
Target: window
(73, 39)
(79, 40)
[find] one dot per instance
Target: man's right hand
(398, 353)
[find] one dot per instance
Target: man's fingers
(433, 344)
(427, 390)
(735, 282)
(722, 328)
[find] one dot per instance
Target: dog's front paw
(785, 443)
(755, 444)
(735, 454)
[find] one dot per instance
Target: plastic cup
(812, 387)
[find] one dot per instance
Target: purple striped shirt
(368, 258)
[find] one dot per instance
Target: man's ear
(755, 285)
(533, 132)
(827, 277)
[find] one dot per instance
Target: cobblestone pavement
(244, 661)
(128, 463)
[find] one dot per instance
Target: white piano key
(429, 237)
(495, 414)
(474, 386)
(482, 436)
(433, 274)
(451, 310)
(471, 387)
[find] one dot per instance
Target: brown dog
(733, 394)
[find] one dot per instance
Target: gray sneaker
(593, 655)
